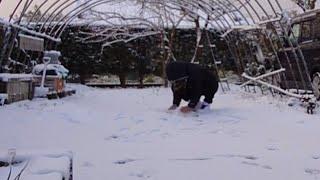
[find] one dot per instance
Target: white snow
(52, 166)
(58, 68)
(5, 77)
(31, 37)
(128, 134)
(41, 91)
(52, 52)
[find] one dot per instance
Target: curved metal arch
(226, 38)
(70, 14)
(222, 15)
(290, 44)
(215, 18)
(55, 14)
(221, 24)
(229, 10)
(216, 22)
(24, 10)
(246, 10)
(89, 8)
(48, 9)
(46, 12)
(37, 10)
(62, 19)
(97, 3)
(62, 27)
(15, 10)
(237, 10)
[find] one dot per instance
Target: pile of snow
(53, 55)
(128, 134)
(59, 69)
(37, 166)
(4, 22)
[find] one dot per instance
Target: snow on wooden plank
(31, 32)
(5, 77)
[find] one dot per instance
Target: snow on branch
(28, 31)
(130, 20)
(131, 38)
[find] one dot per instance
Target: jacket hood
(176, 70)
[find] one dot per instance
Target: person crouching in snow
(189, 82)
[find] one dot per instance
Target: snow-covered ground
(127, 134)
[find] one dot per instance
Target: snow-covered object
(4, 22)
(38, 166)
(58, 70)
(28, 31)
(5, 77)
(3, 98)
(41, 91)
(53, 55)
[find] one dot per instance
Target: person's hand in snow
(186, 109)
(173, 107)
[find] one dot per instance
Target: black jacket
(200, 82)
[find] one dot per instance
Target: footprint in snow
(87, 164)
(192, 159)
(250, 157)
(266, 167)
(316, 157)
(125, 161)
(164, 119)
(141, 175)
(111, 137)
(256, 165)
(139, 121)
(272, 148)
(250, 163)
(120, 117)
(312, 171)
(246, 157)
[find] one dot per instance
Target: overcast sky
(7, 6)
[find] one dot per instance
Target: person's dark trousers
(209, 93)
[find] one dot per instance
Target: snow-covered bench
(16, 87)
